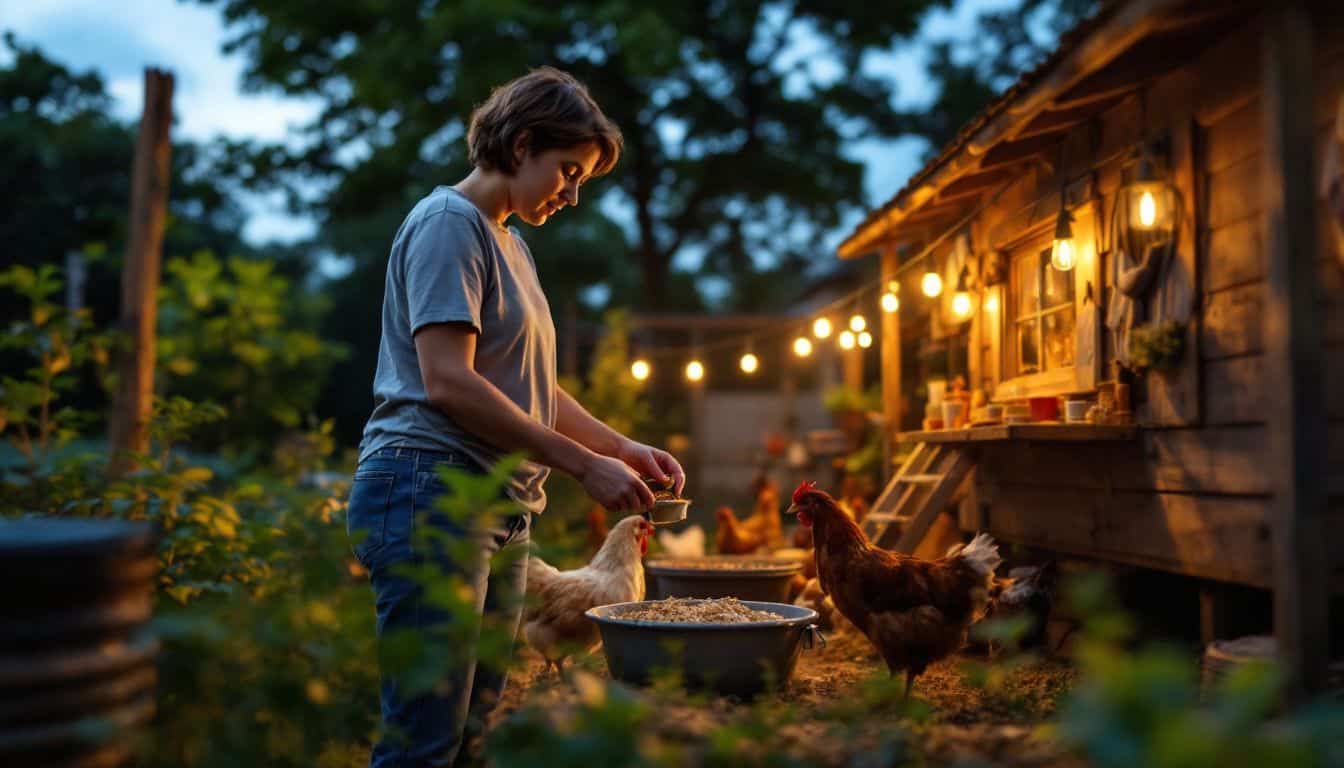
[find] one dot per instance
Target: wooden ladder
(922, 487)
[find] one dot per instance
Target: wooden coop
(1221, 294)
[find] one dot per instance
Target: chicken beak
(792, 510)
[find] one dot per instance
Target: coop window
(1045, 316)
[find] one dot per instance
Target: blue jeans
(392, 507)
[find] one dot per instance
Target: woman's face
(548, 181)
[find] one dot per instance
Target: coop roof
(1098, 63)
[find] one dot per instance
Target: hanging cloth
(1087, 344)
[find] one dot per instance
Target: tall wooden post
(1293, 359)
(128, 426)
(891, 361)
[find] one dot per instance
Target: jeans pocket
(366, 517)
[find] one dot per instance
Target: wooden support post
(891, 361)
(1293, 358)
(128, 426)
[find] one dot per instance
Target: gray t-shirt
(449, 263)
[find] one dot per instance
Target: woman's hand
(653, 462)
(612, 483)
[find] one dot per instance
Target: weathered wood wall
(1191, 495)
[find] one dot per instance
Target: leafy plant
(1160, 347)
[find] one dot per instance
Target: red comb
(802, 489)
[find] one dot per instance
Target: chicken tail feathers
(982, 554)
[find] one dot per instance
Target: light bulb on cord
(695, 370)
(1062, 251)
(857, 323)
(890, 302)
(802, 346)
(749, 363)
(961, 300)
(932, 284)
(847, 340)
(640, 369)
(865, 339)
(821, 327)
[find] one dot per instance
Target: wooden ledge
(1058, 433)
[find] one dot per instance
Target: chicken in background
(597, 528)
(1027, 591)
(733, 537)
(765, 521)
(687, 544)
(914, 611)
(553, 620)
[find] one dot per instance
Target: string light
(695, 370)
(992, 302)
(932, 284)
(865, 339)
(802, 346)
(961, 300)
(847, 340)
(749, 363)
(821, 327)
(857, 323)
(891, 301)
(640, 369)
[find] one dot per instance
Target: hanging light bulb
(932, 284)
(865, 339)
(992, 302)
(847, 340)
(748, 363)
(821, 327)
(640, 369)
(890, 302)
(695, 370)
(857, 322)
(961, 300)
(802, 346)
(1062, 252)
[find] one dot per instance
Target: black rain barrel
(77, 670)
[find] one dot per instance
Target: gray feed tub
(742, 576)
(731, 659)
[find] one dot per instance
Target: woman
(466, 374)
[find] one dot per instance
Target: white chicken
(553, 621)
(688, 544)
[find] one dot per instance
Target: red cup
(1044, 408)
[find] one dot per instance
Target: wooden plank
(1234, 390)
(1214, 537)
(128, 428)
(1235, 254)
(1024, 432)
(1235, 137)
(1055, 120)
(1234, 192)
(1232, 322)
(1293, 354)
(1223, 460)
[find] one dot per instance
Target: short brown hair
(557, 112)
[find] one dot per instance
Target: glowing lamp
(961, 300)
(848, 340)
(1063, 252)
(749, 363)
(865, 339)
(931, 285)
(1151, 202)
(889, 302)
(802, 346)
(640, 369)
(821, 327)
(695, 370)
(858, 323)
(992, 303)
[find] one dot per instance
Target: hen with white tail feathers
(553, 620)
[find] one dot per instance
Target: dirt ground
(967, 710)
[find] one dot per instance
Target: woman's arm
(447, 355)
(574, 421)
